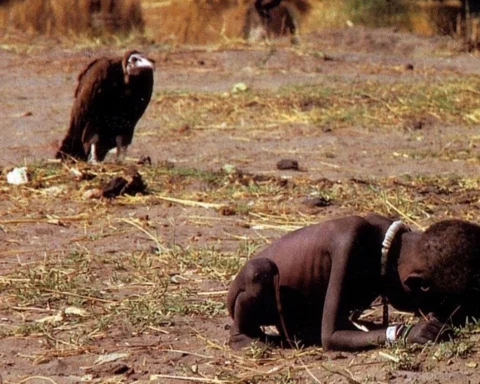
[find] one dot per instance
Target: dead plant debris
(143, 277)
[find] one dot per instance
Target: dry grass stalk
(89, 298)
(52, 220)
(404, 215)
(160, 247)
(187, 353)
(73, 17)
(192, 203)
(201, 22)
(34, 378)
(191, 379)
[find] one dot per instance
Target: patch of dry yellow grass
(203, 22)
(89, 17)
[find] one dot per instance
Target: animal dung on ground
(111, 96)
(129, 184)
(285, 164)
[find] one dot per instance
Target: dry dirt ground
(132, 289)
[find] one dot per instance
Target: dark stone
(144, 160)
(317, 202)
(288, 164)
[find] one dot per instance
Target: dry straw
(207, 21)
(60, 17)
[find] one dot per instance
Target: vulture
(267, 19)
(111, 96)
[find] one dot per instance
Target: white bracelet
(392, 334)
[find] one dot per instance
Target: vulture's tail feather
(71, 148)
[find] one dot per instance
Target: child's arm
(334, 334)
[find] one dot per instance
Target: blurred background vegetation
(207, 21)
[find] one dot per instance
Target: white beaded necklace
(386, 244)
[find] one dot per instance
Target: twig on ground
(190, 378)
(404, 215)
(192, 203)
(154, 238)
(37, 378)
(79, 296)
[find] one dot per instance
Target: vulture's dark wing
(98, 86)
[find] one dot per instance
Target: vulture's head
(134, 63)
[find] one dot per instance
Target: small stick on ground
(80, 296)
(155, 239)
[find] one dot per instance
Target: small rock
(94, 193)
(288, 164)
(239, 88)
(409, 67)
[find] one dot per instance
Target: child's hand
(423, 332)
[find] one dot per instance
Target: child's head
(452, 251)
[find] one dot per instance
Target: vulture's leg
(90, 140)
(92, 156)
(122, 146)
(121, 153)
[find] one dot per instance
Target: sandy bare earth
(194, 122)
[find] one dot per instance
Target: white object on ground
(17, 176)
